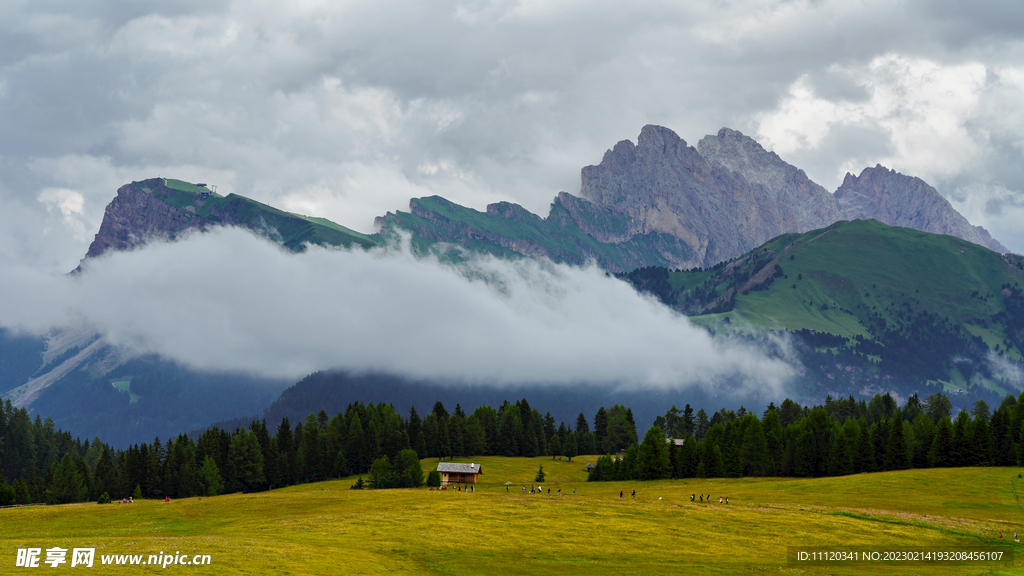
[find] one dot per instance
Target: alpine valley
(880, 286)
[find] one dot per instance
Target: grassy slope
(326, 528)
(557, 234)
(867, 266)
(862, 268)
(294, 229)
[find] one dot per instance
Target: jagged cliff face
(159, 209)
(791, 202)
(661, 202)
(899, 200)
(722, 201)
(136, 216)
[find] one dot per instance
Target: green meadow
(326, 528)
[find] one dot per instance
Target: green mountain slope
(870, 300)
(294, 229)
(509, 230)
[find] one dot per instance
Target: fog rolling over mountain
(187, 298)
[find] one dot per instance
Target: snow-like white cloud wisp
(227, 300)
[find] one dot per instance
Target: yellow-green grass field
(325, 528)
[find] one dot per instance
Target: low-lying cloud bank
(227, 300)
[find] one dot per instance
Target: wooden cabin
(458, 473)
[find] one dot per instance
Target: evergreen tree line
(41, 464)
(844, 436)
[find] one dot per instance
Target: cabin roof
(458, 467)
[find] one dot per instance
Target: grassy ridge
(294, 230)
(863, 279)
(558, 237)
(327, 528)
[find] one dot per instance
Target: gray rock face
(721, 204)
(899, 200)
(792, 202)
(136, 216)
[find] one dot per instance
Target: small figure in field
(506, 489)
(701, 498)
(531, 489)
(549, 491)
(620, 493)
(524, 488)
(574, 493)
(559, 491)
(726, 499)
(719, 499)
(691, 497)
(634, 493)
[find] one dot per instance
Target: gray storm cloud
(347, 109)
(227, 300)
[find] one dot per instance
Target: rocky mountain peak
(900, 200)
(801, 204)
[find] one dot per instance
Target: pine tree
(897, 453)
(755, 459)
(941, 453)
(652, 456)
(555, 446)
(380, 473)
(981, 440)
(689, 425)
(571, 449)
(67, 485)
(209, 477)
(840, 457)
(924, 430)
(247, 459)
(703, 425)
(600, 427)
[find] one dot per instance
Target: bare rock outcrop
(793, 202)
(899, 200)
(707, 201)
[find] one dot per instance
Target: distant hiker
(506, 489)
(691, 497)
(524, 488)
(559, 491)
(634, 493)
(574, 493)
(726, 499)
(701, 498)
(166, 499)
(620, 493)
(719, 499)
(549, 491)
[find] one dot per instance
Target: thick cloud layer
(228, 300)
(346, 109)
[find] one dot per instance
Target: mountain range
(717, 231)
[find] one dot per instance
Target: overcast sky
(348, 109)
